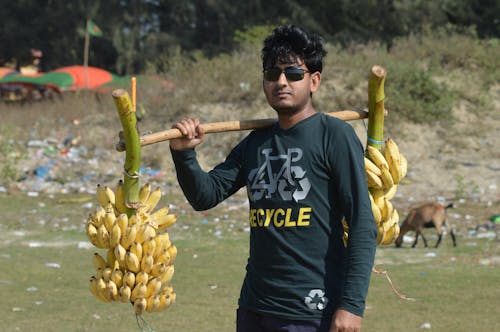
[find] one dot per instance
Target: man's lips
(281, 93)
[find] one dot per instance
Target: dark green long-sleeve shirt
(301, 183)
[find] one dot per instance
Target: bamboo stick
(133, 149)
(237, 125)
(376, 110)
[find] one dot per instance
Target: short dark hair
(288, 43)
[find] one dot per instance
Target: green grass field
(46, 267)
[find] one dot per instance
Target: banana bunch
(384, 171)
(138, 265)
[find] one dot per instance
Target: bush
(416, 96)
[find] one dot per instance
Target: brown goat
(426, 216)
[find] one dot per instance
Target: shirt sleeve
(202, 189)
(352, 192)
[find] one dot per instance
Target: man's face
(286, 95)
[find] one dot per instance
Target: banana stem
(376, 107)
(133, 149)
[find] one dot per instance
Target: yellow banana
(144, 232)
(141, 277)
(386, 177)
(380, 233)
(391, 192)
(125, 293)
(138, 291)
(94, 287)
(144, 192)
(404, 165)
(153, 287)
(149, 246)
(391, 154)
(163, 257)
(102, 289)
(158, 269)
(109, 220)
(117, 277)
(137, 249)
(110, 194)
(120, 254)
(120, 198)
(160, 213)
(168, 275)
(103, 237)
(129, 279)
(370, 165)
(165, 222)
(153, 303)
(389, 207)
(115, 235)
(153, 199)
(376, 156)
(132, 262)
(140, 305)
(129, 237)
(122, 221)
(112, 290)
(377, 215)
(98, 216)
(106, 274)
(162, 242)
(380, 202)
(91, 231)
(102, 197)
(172, 250)
(147, 263)
(111, 259)
(373, 181)
(98, 261)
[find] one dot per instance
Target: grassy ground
(46, 267)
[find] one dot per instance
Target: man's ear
(315, 81)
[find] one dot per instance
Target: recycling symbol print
(316, 300)
(279, 174)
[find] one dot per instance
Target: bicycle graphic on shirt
(289, 181)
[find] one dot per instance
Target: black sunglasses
(291, 73)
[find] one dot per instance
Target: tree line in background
(136, 32)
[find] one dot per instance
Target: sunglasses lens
(291, 74)
(272, 74)
(294, 74)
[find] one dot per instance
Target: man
(303, 175)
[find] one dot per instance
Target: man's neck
(288, 120)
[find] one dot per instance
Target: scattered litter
(32, 194)
(53, 265)
(213, 286)
(204, 221)
(422, 273)
(431, 254)
(85, 245)
(8, 282)
(425, 326)
(32, 289)
(96, 316)
(471, 244)
(486, 235)
(17, 309)
(195, 256)
(38, 302)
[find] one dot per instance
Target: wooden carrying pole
(237, 125)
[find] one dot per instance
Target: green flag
(93, 29)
